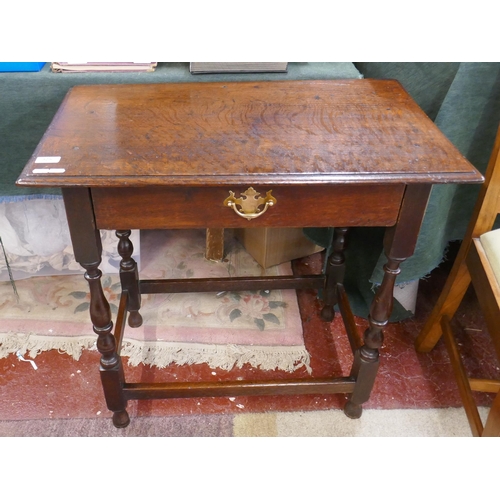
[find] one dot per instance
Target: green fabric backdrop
(28, 102)
(464, 101)
(462, 98)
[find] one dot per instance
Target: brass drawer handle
(250, 202)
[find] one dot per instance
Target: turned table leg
(366, 358)
(87, 247)
(129, 277)
(111, 368)
(335, 271)
(399, 244)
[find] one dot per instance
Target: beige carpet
(447, 422)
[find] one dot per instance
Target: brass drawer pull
(249, 203)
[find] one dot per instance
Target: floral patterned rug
(225, 329)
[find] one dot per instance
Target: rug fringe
(226, 357)
(162, 354)
(33, 345)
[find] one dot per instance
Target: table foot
(327, 313)
(353, 410)
(134, 319)
(121, 419)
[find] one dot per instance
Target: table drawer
(201, 207)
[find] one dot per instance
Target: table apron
(164, 207)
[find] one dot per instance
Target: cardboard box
(273, 246)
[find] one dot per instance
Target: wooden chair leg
(492, 426)
(470, 407)
(453, 292)
(482, 220)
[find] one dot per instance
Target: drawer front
(292, 206)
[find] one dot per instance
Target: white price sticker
(48, 159)
(49, 170)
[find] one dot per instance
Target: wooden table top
(277, 132)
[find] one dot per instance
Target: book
(66, 67)
(238, 67)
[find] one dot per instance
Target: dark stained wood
(280, 132)
(332, 153)
(399, 244)
(238, 388)
(231, 284)
(364, 371)
(111, 369)
(129, 277)
(87, 246)
(83, 230)
(348, 318)
(401, 239)
(335, 271)
(121, 321)
(173, 208)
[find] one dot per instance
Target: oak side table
(328, 153)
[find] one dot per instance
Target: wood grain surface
(278, 132)
(158, 207)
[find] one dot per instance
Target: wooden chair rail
(472, 266)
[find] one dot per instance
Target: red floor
(65, 388)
